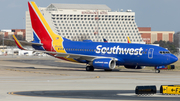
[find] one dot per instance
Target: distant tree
(171, 46)
(1, 39)
(177, 39)
(10, 42)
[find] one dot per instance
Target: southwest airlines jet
(98, 55)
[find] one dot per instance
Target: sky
(160, 15)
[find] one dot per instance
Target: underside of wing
(74, 56)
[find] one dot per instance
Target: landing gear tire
(107, 69)
(89, 68)
(157, 71)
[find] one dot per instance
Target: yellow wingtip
(129, 41)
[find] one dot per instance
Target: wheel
(107, 69)
(89, 68)
(157, 71)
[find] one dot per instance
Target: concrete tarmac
(46, 78)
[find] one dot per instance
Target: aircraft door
(150, 53)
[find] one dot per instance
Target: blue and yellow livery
(98, 55)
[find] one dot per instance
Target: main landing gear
(107, 69)
(89, 68)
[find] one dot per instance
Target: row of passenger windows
(91, 50)
(117, 16)
(164, 52)
(70, 49)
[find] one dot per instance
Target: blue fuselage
(127, 54)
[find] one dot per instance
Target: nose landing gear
(157, 71)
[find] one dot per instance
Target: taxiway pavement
(46, 78)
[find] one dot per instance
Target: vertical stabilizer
(42, 31)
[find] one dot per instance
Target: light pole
(3, 41)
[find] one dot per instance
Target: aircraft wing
(57, 54)
(75, 56)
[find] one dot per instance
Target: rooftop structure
(79, 22)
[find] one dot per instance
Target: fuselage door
(150, 53)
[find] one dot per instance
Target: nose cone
(173, 58)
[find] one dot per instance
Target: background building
(79, 22)
(149, 36)
(20, 33)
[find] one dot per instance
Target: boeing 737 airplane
(98, 55)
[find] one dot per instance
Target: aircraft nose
(173, 58)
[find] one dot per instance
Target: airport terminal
(32, 74)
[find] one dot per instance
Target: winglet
(129, 41)
(18, 43)
(105, 40)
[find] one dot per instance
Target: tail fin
(42, 31)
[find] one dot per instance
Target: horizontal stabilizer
(25, 42)
(18, 43)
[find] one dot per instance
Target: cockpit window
(167, 52)
(164, 52)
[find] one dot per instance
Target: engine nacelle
(104, 63)
(133, 67)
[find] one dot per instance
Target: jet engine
(104, 63)
(133, 67)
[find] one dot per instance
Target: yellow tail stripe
(57, 42)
